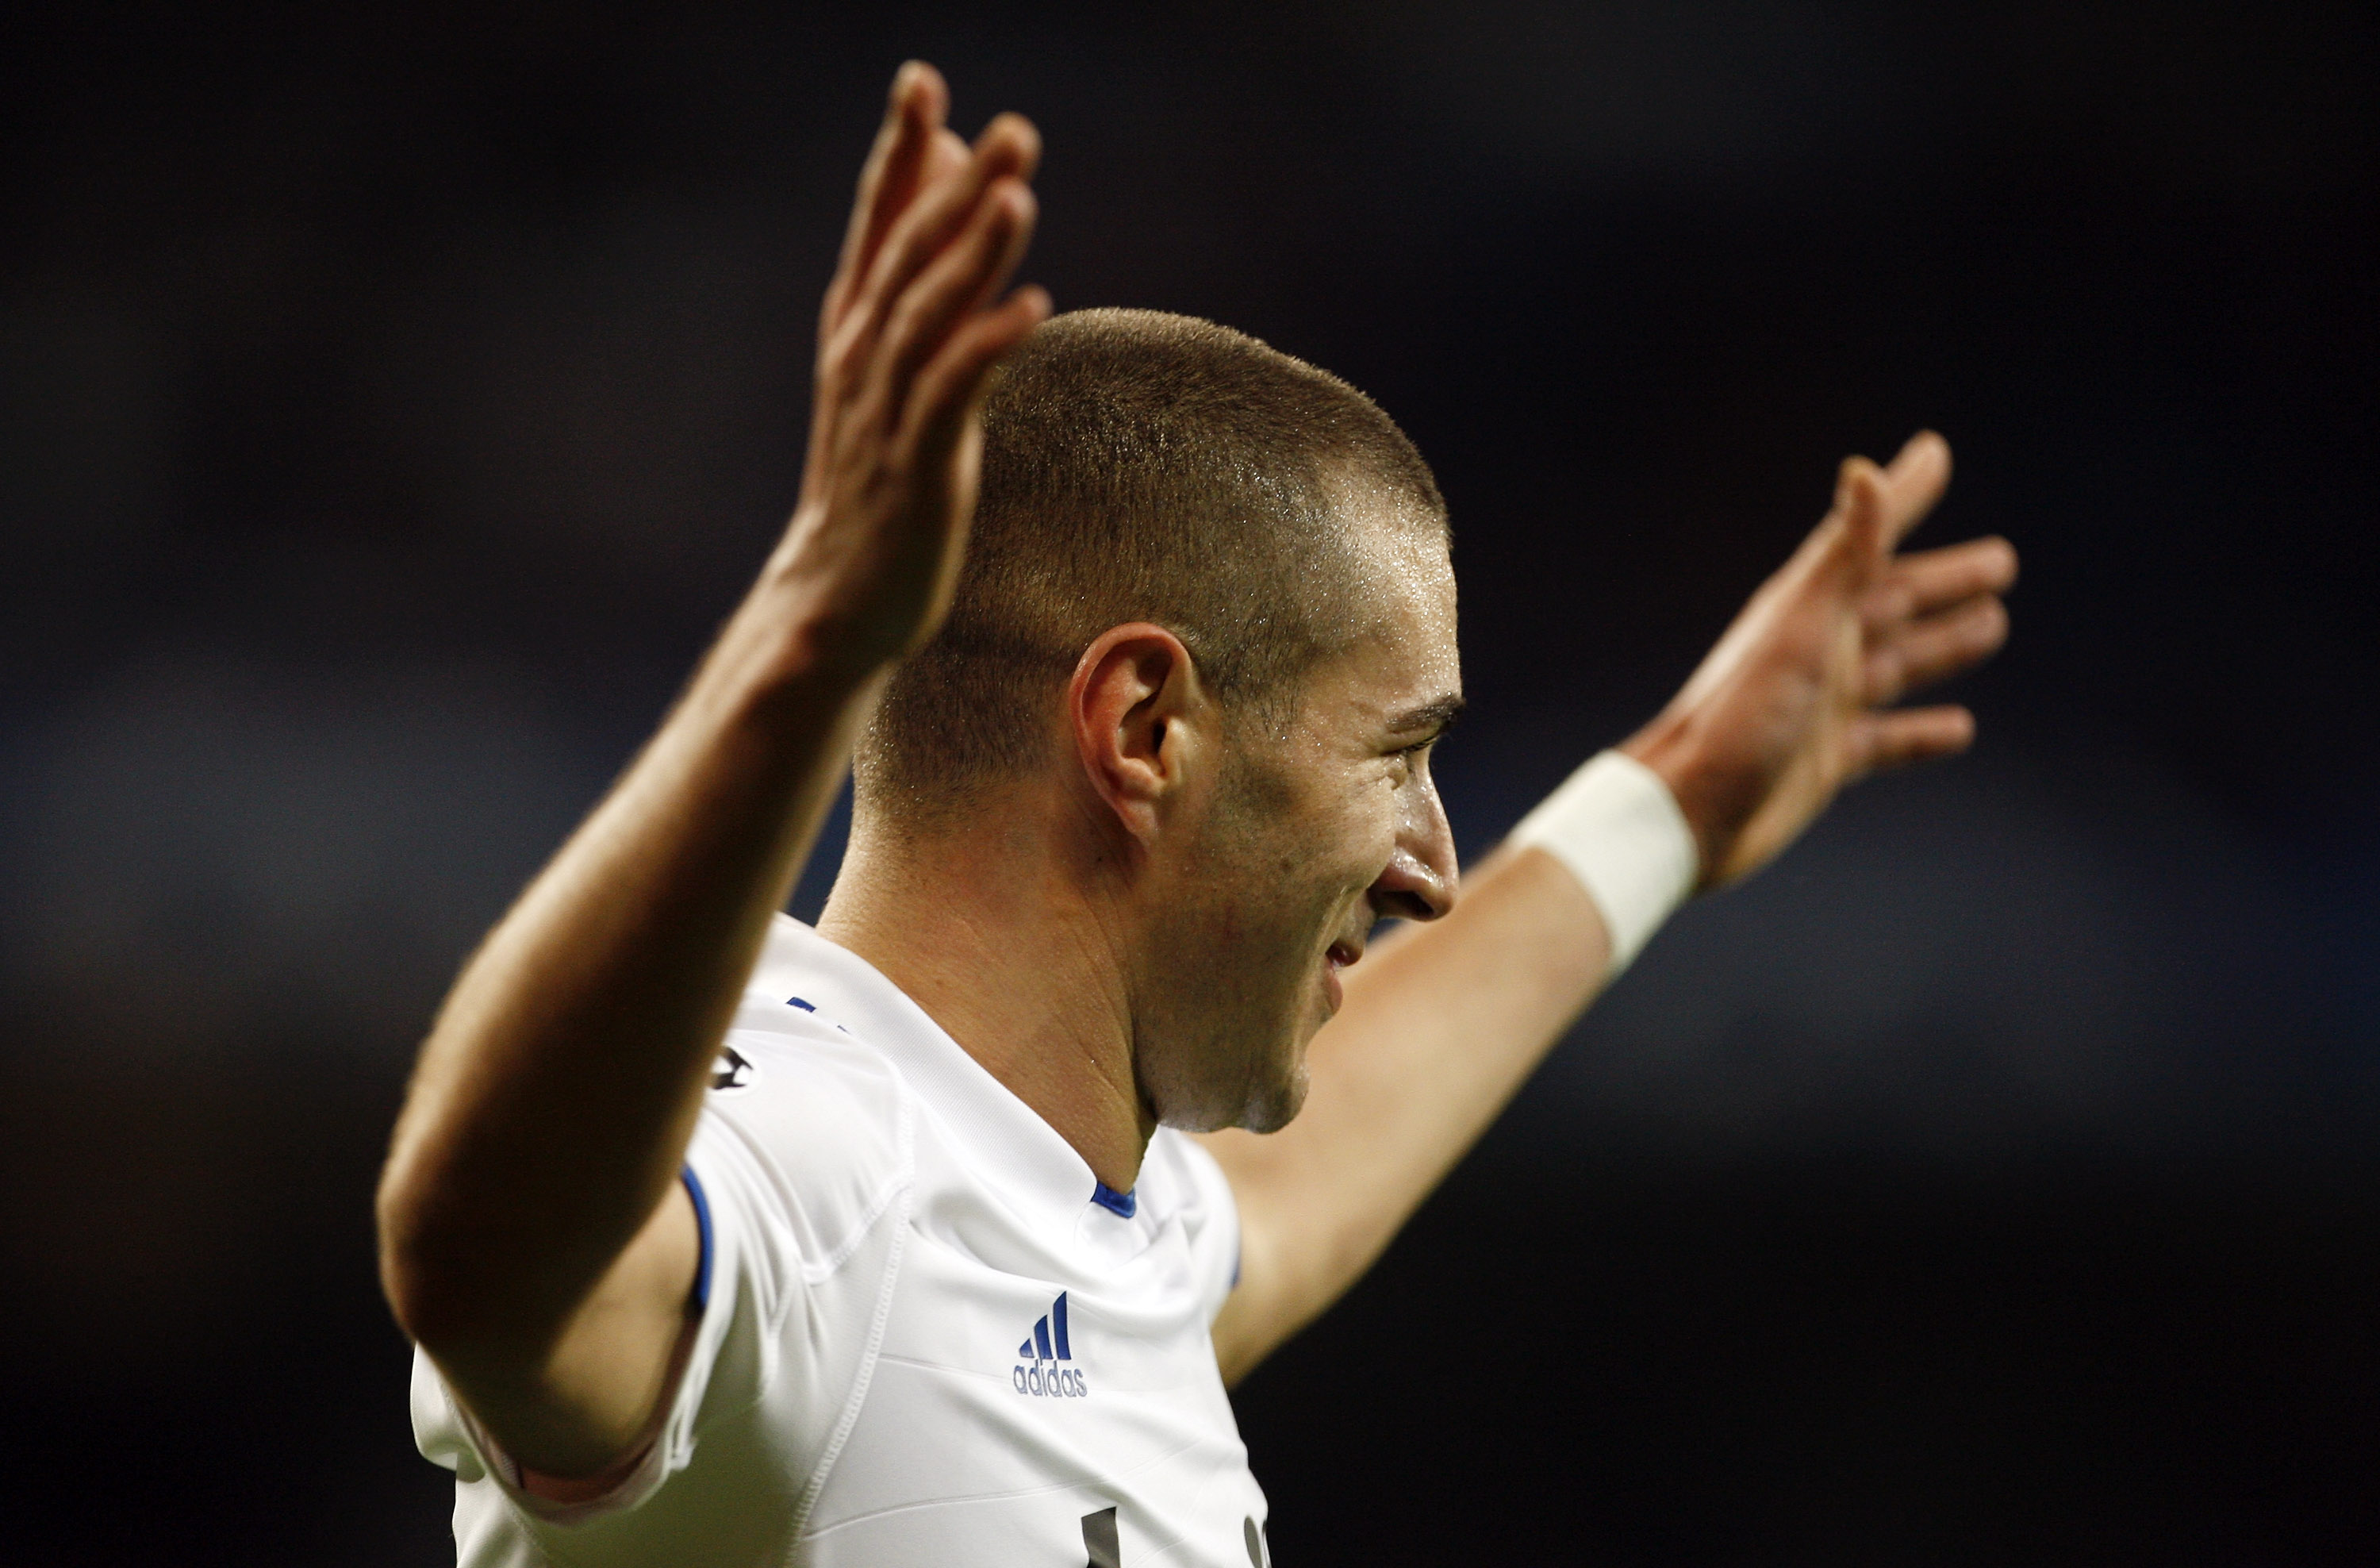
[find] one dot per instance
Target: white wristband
(1616, 826)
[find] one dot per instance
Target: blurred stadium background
(393, 400)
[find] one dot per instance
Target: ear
(1140, 722)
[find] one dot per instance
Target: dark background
(392, 403)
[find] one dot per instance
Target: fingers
(899, 165)
(1878, 742)
(1935, 614)
(1878, 506)
(1937, 647)
(951, 382)
(946, 156)
(1923, 584)
(1926, 584)
(1860, 506)
(1919, 473)
(1008, 149)
(972, 269)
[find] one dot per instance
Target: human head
(1143, 469)
(1139, 466)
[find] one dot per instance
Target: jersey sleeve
(794, 1263)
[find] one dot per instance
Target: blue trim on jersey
(703, 1221)
(1115, 1203)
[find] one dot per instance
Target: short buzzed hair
(1140, 466)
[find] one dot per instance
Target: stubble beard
(1247, 1067)
(1263, 1095)
(1277, 1102)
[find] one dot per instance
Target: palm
(1795, 702)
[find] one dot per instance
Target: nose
(1420, 880)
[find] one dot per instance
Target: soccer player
(933, 1235)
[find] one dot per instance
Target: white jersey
(928, 1334)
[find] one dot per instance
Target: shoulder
(809, 1126)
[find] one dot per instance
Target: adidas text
(1044, 1369)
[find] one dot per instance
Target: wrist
(1671, 750)
(833, 606)
(1615, 825)
(794, 631)
(778, 671)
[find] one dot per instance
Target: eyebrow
(1434, 715)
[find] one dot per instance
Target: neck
(956, 918)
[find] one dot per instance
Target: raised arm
(1444, 1021)
(534, 1239)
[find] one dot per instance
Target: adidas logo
(1042, 1368)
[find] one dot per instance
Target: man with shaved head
(934, 1235)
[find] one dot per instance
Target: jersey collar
(1039, 1171)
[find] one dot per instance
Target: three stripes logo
(1044, 1368)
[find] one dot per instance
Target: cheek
(1262, 923)
(1336, 845)
(1366, 831)
(1286, 862)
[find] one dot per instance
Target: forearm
(529, 1240)
(555, 1097)
(1796, 700)
(1441, 1024)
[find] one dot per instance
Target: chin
(1276, 1105)
(1255, 1105)
(1228, 1085)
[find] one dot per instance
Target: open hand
(912, 327)
(1796, 700)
